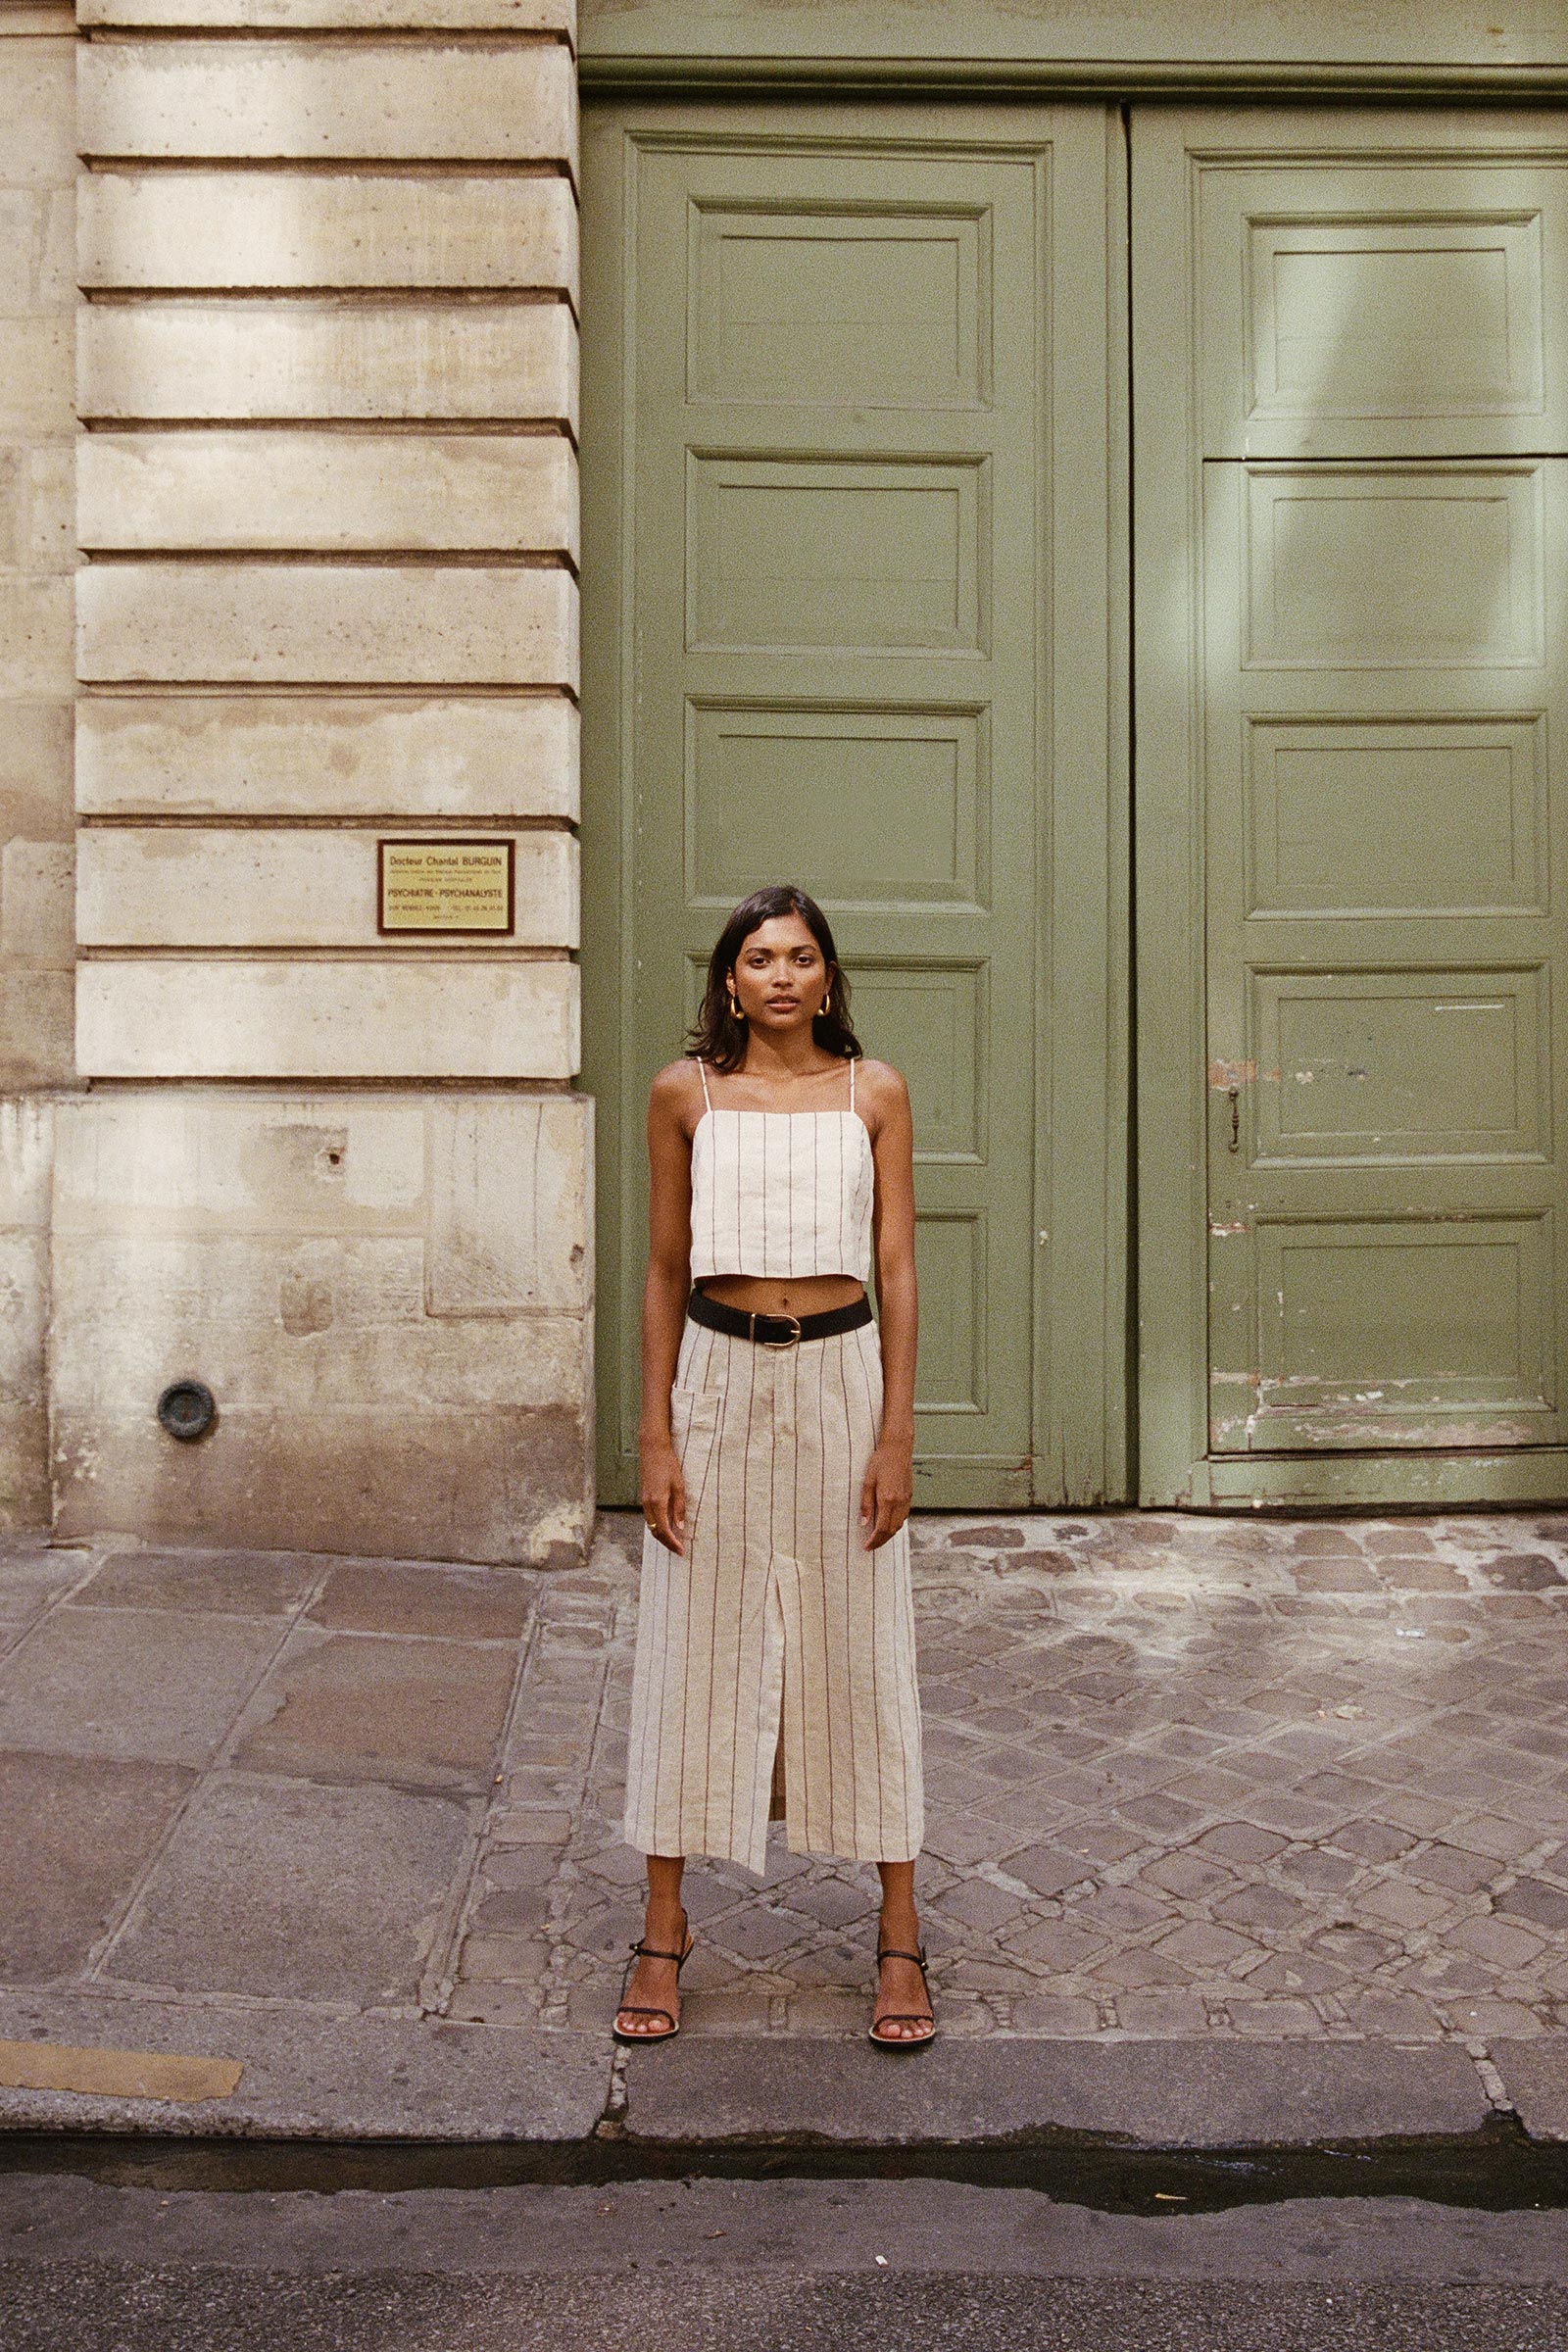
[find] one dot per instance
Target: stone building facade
(312, 269)
(290, 295)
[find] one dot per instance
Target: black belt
(776, 1331)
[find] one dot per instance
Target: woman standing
(775, 1638)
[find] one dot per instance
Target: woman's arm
(889, 1486)
(664, 1292)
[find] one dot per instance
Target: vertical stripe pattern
(781, 1193)
(778, 1627)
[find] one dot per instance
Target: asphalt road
(788, 2266)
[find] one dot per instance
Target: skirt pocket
(694, 1427)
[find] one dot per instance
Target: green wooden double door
(869, 605)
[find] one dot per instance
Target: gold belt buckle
(770, 1318)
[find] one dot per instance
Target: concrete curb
(1154, 2094)
(310, 2076)
(313, 2078)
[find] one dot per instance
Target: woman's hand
(664, 1494)
(888, 1492)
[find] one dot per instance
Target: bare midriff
(801, 1294)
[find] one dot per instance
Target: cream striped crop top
(781, 1193)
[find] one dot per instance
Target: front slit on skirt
(779, 1649)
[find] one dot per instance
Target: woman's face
(780, 976)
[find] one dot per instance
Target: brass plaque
(446, 886)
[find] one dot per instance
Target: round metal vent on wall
(187, 1409)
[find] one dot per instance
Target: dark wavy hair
(716, 1036)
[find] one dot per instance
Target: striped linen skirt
(776, 1660)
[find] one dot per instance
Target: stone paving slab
(33, 1576)
(120, 1683)
(79, 1832)
(236, 1584)
(385, 1707)
(1187, 2094)
(284, 1889)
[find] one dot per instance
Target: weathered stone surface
(35, 375)
(34, 1574)
(21, 217)
(233, 1584)
(449, 1482)
(286, 1889)
(427, 1192)
(24, 1465)
(504, 362)
(34, 262)
(480, 1015)
(506, 493)
(319, 624)
(164, 1164)
(27, 1164)
(507, 1193)
(289, 228)
(35, 636)
(1537, 2084)
(210, 886)
(341, 756)
(424, 1711)
(35, 771)
(37, 113)
(329, 1325)
(114, 1678)
(35, 508)
(401, 1596)
(1163, 2094)
(398, 1346)
(351, 16)
(37, 1026)
(36, 901)
(79, 1833)
(310, 2074)
(513, 101)
(23, 1293)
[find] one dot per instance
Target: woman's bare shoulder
(676, 1087)
(882, 1085)
(880, 1090)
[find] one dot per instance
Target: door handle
(1234, 1143)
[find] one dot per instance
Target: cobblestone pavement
(1183, 1776)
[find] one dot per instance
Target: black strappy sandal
(903, 2017)
(625, 2008)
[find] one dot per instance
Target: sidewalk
(1239, 1830)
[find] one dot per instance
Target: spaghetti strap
(702, 1072)
(851, 1082)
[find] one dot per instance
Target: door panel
(831, 455)
(1383, 1223)
(1408, 305)
(1378, 552)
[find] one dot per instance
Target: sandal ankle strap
(646, 1951)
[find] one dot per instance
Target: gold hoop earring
(827, 1005)
(735, 1013)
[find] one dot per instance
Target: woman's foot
(650, 2002)
(901, 2011)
